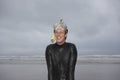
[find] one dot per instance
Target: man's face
(60, 35)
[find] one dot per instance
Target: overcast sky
(26, 26)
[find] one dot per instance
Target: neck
(61, 43)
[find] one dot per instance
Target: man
(61, 56)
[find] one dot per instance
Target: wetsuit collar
(60, 45)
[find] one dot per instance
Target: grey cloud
(26, 25)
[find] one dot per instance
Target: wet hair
(61, 24)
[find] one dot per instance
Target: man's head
(60, 32)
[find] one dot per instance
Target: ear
(65, 35)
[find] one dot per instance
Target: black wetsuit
(61, 61)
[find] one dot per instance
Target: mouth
(58, 37)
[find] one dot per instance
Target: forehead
(59, 28)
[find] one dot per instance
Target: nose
(58, 34)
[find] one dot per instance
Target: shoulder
(72, 47)
(50, 46)
(49, 49)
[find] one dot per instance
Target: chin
(59, 41)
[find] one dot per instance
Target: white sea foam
(41, 59)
